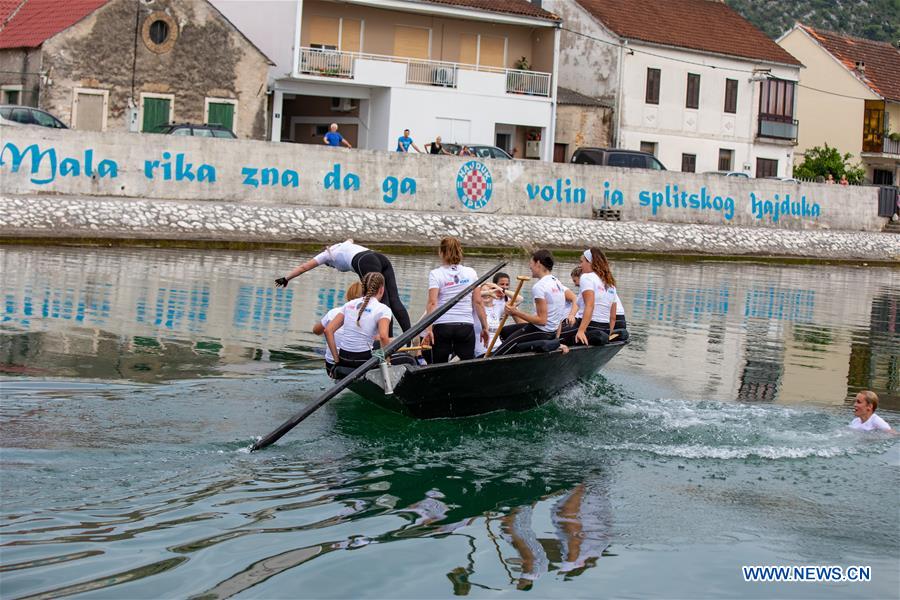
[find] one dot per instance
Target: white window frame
(478, 49)
(93, 92)
(10, 88)
(169, 97)
(209, 100)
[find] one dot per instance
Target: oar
(522, 279)
(414, 348)
(398, 342)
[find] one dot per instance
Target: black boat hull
(461, 389)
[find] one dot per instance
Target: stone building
(580, 121)
(132, 65)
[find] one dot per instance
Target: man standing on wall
(333, 138)
(404, 142)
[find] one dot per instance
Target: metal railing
(776, 126)
(335, 63)
(890, 146)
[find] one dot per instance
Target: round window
(159, 31)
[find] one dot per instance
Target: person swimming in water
(864, 408)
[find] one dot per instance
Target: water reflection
(756, 333)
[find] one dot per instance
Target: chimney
(537, 3)
(860, 67)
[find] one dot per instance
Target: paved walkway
(116, 218)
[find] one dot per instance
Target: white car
(17, 116)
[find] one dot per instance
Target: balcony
(344, 65)
(777, 127)
(885, 145)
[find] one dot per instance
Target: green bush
(822, 161)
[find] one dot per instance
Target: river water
(133, 382)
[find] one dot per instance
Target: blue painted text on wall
(68, 167)
(180, 171)
(558, 191)
(675, 198)
(783, 207)
(270, 177)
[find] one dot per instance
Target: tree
(818, 161)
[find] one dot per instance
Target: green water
(134, 380)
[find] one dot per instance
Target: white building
(471, 71)
(692, 81)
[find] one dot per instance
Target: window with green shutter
(221, 113)
(156, 114)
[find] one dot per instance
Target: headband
(588, 255)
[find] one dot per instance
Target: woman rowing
(454, 331)
(347, 256)
(599, 305)
(363, 320)
(549, 307)
(494, 300)
(353, 292)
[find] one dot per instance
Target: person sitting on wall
(404, 142)
(436, 147)
(333, 138)
(864, 408)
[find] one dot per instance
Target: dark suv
(192, 129)
(616, 157)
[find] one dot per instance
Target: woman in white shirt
(599, 305)
(362, 321)
(347, 256)
(549, 307)
(492, 297)
(864, 408)
(454, 331)
(353, 292)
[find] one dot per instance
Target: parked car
(617, 157)
(784, 179)
(479, 150)
(197, 130)
(15, 116)
(729, 174)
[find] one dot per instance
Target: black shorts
(453, 338)
(513, 335)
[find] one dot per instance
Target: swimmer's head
(865, 404)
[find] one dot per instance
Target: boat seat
(535, 346)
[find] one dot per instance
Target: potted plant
(515, 82)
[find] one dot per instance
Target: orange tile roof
(882, 61)
(37, 20)
(513, 7)
(704, 25)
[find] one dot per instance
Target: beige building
(580, 121)
(128, 65)
(849, 98)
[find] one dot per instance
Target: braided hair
(600, 266)
(372, 282)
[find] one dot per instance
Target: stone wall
(37, 160)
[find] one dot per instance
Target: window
(649, 147)
(45, 120)
(688, 163)
(882, 177)
(159, 31)
(334, 33)
(731, 90)
(653, 79)
(766, 167)
(412, 42)
(12, 94)
(156, 111)
(221, 111)
(726, 159)
(89, 109)
(692, 100)
(776, 100)
(322, 129)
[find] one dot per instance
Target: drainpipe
(619, 91)
(295, 47)
(551, 131)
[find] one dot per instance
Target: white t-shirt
(358, 337)
(340, 256)
(603, 300)
(338, 335)
(580, 302)
(554, 293)
(449, 280)
(494, 314)
(873, 423)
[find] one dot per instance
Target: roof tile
(881, 60)
(704, 25)
(513, 7)
(38, 20)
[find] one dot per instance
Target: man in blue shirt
(333, 138)
(404, 142)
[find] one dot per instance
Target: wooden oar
(522, 279)
(414, 348)
(361, 370)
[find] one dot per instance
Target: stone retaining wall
(244, 172)
(116, 218)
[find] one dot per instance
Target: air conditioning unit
(342, 104)
(443, 76)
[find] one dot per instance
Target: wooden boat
(482, 385)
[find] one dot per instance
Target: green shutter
(156, 114)
(221, 113)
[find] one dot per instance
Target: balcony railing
(885, 145)
(335, 63)
(778, 127)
